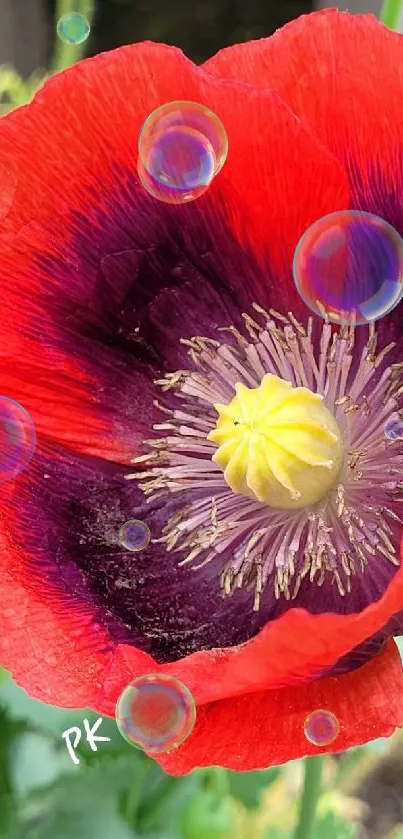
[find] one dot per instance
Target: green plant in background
(118, 792)
(392, 14)
(211, 812)
(66, 54)
(16, 91)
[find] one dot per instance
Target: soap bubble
(73, 28)
(156, 713)
(182, 147)
(321, 728)
(348, 267)
(394, 428)
(134, 535)
(17, 438)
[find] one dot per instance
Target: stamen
(255, 545)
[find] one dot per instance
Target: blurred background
(117, 792)
(200, 27)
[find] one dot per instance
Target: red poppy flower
(104, 289)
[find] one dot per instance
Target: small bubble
(134, 535)
(155, 713)
(73, 28)
(17, 438)
(348, 267)
(394, 428)
(321, 728)
(182, 147)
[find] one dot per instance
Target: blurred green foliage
(16, 91)
(118, 792)
(114, 793)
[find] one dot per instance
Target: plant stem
(133, 800)
(67, 54)
(150, 806)
(392, 13)
(310, 796)
(216, 780)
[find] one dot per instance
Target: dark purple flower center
(355, 525)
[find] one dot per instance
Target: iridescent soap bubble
(321, 728)
(348, 267)
(17, 438)
(394, 428)
(182, 147)
(134, 535)
(73, 28)
(156, 713)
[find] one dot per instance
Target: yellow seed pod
(278, 444)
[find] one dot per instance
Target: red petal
(338, 74)
(263, 192)
(266, 728)
(57, 659)
(272, 659)
(266, 198)
(61, 159)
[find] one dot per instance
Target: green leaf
(82, 803)
(20, 706)
(208, 816)
(94, 824)
(47, 720)
(36, 761)
(162, 804)
(8, 730)
(333, 827)
(247, 786)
